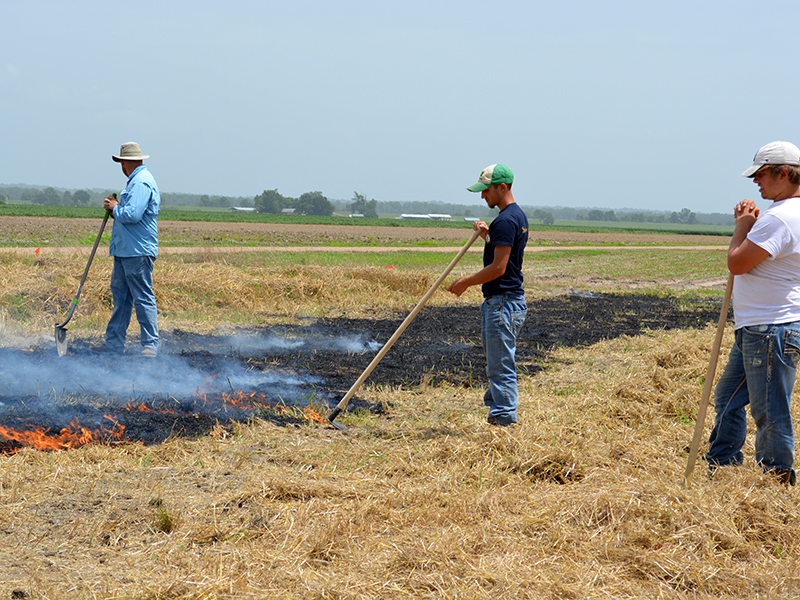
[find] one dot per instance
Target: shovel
(61, 332)
(378, 357)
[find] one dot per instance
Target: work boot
(784, 476)
(105, 349)
(149, 353)
(492, 420)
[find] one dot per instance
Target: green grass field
(227, 216)
(632, 227)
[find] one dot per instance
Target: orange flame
(73, 436)
(245, 401)
(142, 407)
(312, 415)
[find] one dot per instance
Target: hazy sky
(641, 104)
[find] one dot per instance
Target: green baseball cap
(492, 175)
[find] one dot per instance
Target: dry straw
(203, 290)
(583, 499)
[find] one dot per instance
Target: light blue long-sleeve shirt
(135, 231)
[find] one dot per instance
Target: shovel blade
(336, 425)
(61, 340)
(333, 414)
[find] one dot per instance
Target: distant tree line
(52, 197)
(361, 206)
(542, 216)
(315, 203)
(310, 203)
(203, 200)
(685, 217)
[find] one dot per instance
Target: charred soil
(202, 382)
(442, 344)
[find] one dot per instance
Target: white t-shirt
(770, 293)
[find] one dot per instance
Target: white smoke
(273, 344)
(123, 378)
(38, 372)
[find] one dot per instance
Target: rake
(378, 357)
(712, 368)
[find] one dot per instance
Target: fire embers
(57, 404)
(40, 425)
(197, 383)
(72, 436)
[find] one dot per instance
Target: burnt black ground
(441, 344)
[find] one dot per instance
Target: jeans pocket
(756, 345)
(517, 319)
(791, 349)
(514, 313)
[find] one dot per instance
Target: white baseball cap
(774, 153)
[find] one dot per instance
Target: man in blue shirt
(134, 246)
(504, 309)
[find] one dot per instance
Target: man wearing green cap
(503, 310)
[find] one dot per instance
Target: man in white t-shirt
(764, 257)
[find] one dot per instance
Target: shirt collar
(139, 168)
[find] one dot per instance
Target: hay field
(583, 499)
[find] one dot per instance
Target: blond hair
(792, 171)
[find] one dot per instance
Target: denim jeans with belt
(761, 372)
(501, 319)
(132, 286)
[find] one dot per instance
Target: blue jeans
(501, 319)
(761, 372)
(132, 286)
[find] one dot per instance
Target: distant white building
(357, 215)
(287, 211)
(243, 209)
(471, 219)
(430, 217)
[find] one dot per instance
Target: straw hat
(130, 151)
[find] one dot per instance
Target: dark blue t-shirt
(509, 228)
